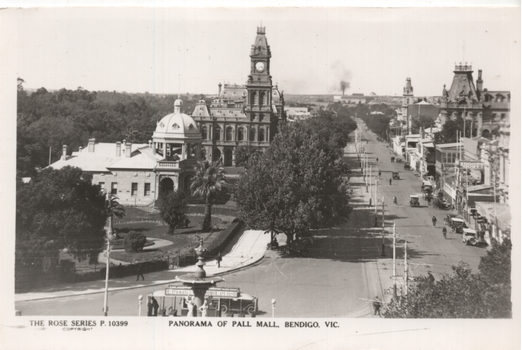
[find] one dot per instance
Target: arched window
(229, 133)
(252, 134)
(261, 134)
(217, 133)
(204, 133)
(240, 134)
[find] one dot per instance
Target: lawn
(183, 240)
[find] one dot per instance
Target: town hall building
(242, 115)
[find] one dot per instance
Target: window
(134, 188)
(204, 133)
(146, 191)
(240, 135)
(114, 188)
(229, 133)
(261, 134)
(252, 134)
(217, 133)
(102, 185)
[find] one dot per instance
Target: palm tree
(208, 181)
(112, 208)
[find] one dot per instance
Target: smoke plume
(342, 75)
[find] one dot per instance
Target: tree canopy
(462, 294)
(46, 120)
(297, 184)
(174, 210)
(208, 182)
(59, 209)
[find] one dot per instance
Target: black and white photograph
(314, 177)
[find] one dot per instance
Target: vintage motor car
(457, 225)
(469, 236)
(414, 200)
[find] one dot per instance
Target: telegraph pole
(406, 267)
(394, 270)
(383, 252)
(375, 197)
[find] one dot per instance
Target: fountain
(197, 281)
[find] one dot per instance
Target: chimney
(64, 152)
(92, 142)
(479, 80)
(128, 149)
(150, 144)
(118, 149)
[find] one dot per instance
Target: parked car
(458, 224)
(469, 236)
(414, 200)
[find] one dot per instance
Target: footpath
(248, 250)
(361, 223)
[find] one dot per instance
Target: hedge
(217, 242)
(132, 269)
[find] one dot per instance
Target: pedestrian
(155, 306)
(430, 277)
(379, 173)
(139, 273)
(394, 200)
(149, 307)
(377, 160)
(434, 220)
(218, 259)
(390, 181)
(377, 306)
(444, 231)
(370, 204)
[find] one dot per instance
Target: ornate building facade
(486, 110)
(242, 115)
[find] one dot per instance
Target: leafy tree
(208, 182)
(245, 153)
(134, 242)
(174, 210)
(423, 122)
(449, 134)
(296, 185)
(463, 294)
(113, 208)
(59, 209)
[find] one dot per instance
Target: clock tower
(259, 85)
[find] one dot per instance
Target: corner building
(242, 115)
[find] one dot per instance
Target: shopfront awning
(498, 213)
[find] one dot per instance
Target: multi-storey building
(242, 115)
(485, 109)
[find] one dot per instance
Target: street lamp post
(140, 299)
(273, 307)
(106, 296)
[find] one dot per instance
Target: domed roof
(177, 123)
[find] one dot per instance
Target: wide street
(343, 269)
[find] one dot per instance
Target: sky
(179, 50)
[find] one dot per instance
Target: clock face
(260, 66)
